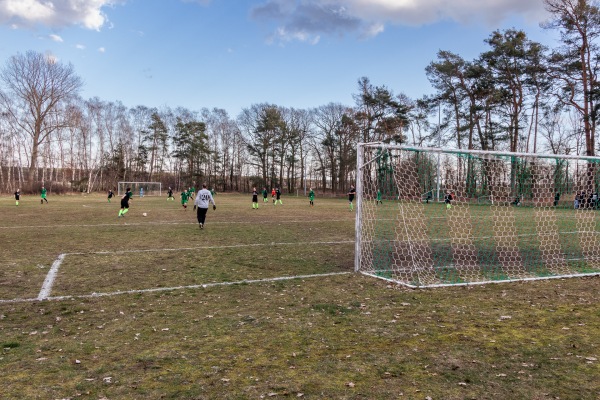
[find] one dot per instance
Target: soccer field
(94, 252)
(262, 304)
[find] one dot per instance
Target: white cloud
(101, 50)
(374, 29)
(305, 20)
(53, 59)
(80, 47)
(56, 38)
(283, 35)
(418, 12)
(55, 13)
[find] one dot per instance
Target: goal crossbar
(141, 188)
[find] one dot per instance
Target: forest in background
(518, 96)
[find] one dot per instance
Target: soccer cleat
(201, 226)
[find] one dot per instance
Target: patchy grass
(343, 336)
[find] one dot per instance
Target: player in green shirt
(191, 192)
(378, 197)
(311, 197)
(184, 199)
(43, 194)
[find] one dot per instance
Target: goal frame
(361, 201)
(135, 186)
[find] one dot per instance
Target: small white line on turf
(13, 301)
(166, 223)
(49, 281)
(204, 285)
(233, 246)
(170, 289)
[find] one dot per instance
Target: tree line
(517, 96)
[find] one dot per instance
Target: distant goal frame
(399, 244)
(156, 190)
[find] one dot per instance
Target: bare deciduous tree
(576, 64)
(36, 85)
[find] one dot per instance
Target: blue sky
(231, 54)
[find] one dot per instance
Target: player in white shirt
(203, 198)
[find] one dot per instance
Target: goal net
(452, 217)
(141, 188)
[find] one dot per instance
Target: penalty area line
(173, 288)
(232, 246)
(167, 223)
(50, 277)
(203, 285)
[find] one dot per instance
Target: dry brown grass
(343, 336)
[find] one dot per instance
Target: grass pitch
(152, 307)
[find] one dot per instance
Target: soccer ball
(144, 214)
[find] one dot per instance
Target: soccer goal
(141, 188)
(492, 216)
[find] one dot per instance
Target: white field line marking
(168, 223)
(204, 285)
(167, 289)
(233, 246)
(49, 281)
(14, 301)
(51, 276)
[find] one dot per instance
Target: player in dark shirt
(254, 199)
(17, 196)
(448, 200)
(265, 193)
(170, 194)
(351, 194)
(125, 202)
(110, 195)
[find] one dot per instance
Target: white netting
(460, 217)
(141, 188)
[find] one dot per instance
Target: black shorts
(124, 203)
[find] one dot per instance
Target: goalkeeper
(202, 199)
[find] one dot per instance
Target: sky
(231, 54)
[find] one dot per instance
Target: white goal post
(141, 188)
(501, 216)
